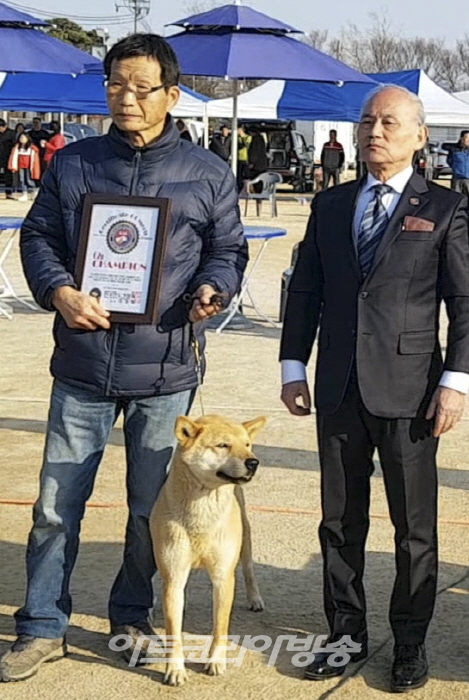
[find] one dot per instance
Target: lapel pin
(414, 201)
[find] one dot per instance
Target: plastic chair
(269, 192)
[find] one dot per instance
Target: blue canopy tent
(238, 42)
(27, 49)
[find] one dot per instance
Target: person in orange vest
(54, 144)
(24, 160)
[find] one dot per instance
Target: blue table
(252, 233)
(10, 225)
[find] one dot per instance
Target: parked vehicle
(432, 160)
(288, 153)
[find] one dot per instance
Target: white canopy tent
(441, 108)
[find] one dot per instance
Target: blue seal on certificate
(122, 237)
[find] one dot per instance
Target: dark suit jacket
(390, 321)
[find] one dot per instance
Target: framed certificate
(120, 254)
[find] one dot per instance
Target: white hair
(413, 98)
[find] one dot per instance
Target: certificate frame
(127, 204)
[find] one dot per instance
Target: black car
(288, 153)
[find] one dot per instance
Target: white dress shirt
(294, 370)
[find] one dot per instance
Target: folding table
(252, 233)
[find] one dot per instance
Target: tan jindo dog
(199, 521)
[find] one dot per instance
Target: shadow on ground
(293, 606)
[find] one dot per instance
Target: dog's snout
(252, 464)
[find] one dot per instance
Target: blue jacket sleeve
(43, 246)
(224, 250)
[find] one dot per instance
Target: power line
(140, 8)
(90, 18)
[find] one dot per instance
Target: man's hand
(293, 391)
(446, 406)
(202, 308)
(80, 310)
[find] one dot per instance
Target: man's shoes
(135, 631)
(325, 664)
(26, 654)
(410, 668)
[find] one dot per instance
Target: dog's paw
(215, 668)
(175, 675)
(255, 602)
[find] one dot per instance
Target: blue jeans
(77, 433)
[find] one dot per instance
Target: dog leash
(217, 299)
(198, 368)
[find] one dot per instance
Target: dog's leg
(174, 584)
(223, 595)
(252, 590)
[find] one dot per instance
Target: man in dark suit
(378, 258)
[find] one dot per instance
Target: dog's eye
(223, 446)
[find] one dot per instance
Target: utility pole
(139, 9)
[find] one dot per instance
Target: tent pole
(62, 120)
(206, 134)
(234, 130)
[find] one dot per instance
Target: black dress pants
(407, 452)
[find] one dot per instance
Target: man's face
(465, 141)
(333, 136)
(37, 124)
(2, 129)
(225, 132)
(389, 132)
(130, 111)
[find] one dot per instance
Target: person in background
(257, 159)
(220, 143)
(19, 129)
(24, 161)
(244, 142)
(55, 143)
(332, 160)
(7, 141)
(458, 160)
(38, 134)
(184, 132)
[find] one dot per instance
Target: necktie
(372, 228)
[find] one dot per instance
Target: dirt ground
(284, 505)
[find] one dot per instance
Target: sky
(408, 17)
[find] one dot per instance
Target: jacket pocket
(416, 236)
(417, 342)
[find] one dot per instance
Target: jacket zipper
(114, 334)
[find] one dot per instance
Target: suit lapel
(346, 212)
(413, 199)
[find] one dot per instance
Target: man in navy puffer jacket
(100, 369)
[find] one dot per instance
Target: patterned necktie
(372, 228)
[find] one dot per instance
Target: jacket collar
(168, 141)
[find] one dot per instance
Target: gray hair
(413, 98)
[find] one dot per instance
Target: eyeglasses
(141, 92)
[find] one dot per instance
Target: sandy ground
(242, 382)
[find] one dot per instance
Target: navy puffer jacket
(206, 245)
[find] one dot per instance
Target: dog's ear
(186, 429)
(253, 426)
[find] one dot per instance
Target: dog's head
(217, 450)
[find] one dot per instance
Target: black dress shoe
(323, 668)
(410, 668)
